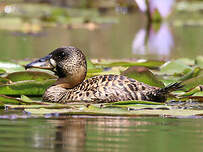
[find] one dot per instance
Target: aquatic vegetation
(20, 89)
(32, 18)
(15, 81)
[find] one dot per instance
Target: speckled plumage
(103, 88)
(70, 66)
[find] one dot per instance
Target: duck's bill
(42, 63)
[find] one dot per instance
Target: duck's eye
(62, 55)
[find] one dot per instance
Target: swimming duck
(69, 64)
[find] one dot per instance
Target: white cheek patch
(53, 62)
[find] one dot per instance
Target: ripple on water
(88, 133)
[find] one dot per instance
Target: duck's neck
(71, 81)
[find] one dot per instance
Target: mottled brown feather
(95, 89)
(69, 64)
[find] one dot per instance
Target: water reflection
(153, 41)
(101, 134)
(109, 41)
(70, 134)
(94, 134)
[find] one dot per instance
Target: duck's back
(108, 88)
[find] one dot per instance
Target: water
(126, 39)
(119, 134)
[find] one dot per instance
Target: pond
(101, 134)
(128, 36)
(123, 39)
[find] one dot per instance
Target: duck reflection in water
(94, 134)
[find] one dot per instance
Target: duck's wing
(109, 88)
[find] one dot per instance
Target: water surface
(88, 133)
(129, 38)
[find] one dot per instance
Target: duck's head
(68, 63)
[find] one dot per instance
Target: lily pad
(45, 111)
(28, 87)
(2, 71)
(193, 82)
(11, 67)
(186, 61)
(9, 100)
(193, 91)
(200, 93)
(50, 106)
(174, 67)
(143, 74)
(90, 65)
(26, 99)
(115, 112)
(30, 75)
(31, 101)
(195, 72)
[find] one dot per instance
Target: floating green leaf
(174, 67)
(29, 75)
(193, 91)
(44, 111)
(90, 65)
(186, 61)
(50, 106)
(30, 101)
(116, 112)
(9, 100)
(28, 87)
(26, 99)
(2, 71)
(10, 67)
(193, 82)
(142, 74)
(190, 74)
(200, 93)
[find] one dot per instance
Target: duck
(70, 65)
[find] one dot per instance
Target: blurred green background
(102, 29)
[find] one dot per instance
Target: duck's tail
(171, 87)
(160, 95)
